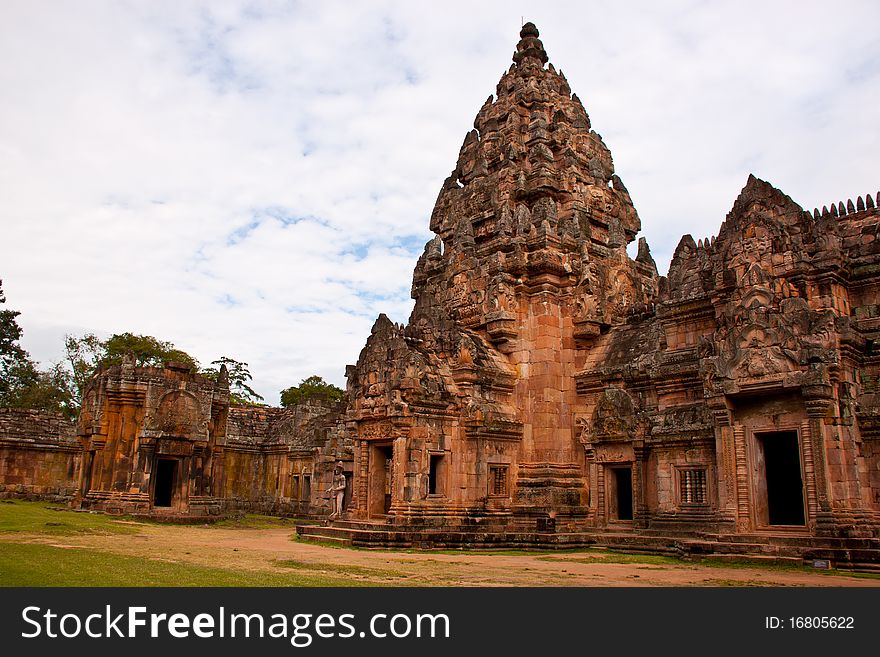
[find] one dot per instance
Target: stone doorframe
(749, 488)
(378, 471)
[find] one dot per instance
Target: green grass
(791, 567)
(618, 557)
(44, 565)
(602, 556)
(42, 518)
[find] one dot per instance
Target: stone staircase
(861, 554)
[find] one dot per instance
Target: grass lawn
(31, 564)
(54, 520)
(38, 564)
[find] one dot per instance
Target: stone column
(743, 518)
(818, 401)
(725, 459)
(809, 473)
(362, 468)
(592, 481)
(640, 502)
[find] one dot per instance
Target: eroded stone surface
(39, 455)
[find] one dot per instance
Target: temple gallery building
(548, 389)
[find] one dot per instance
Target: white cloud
(255, 179)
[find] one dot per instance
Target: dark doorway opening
(307, 489)
(163, 494)
(623, 499)
(782, 472)
(346, 497)
(436, 475)
(87, 472)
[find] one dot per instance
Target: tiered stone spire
(530, 46)
(534, 200)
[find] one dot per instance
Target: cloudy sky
(255, 179)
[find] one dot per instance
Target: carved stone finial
(530, 47)
(644, 255)
(382, 323)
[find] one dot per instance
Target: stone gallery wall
(39, 455)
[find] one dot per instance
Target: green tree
(312, 387)
(239, 375)
(11, 353)
(49, 390)
(147, 350)
(85, 354)
(22, 383)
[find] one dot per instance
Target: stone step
(860, 566)
(341, 541)
(749, 547)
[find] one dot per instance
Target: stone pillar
(725, 457)
(809, 473)
(398, 474)
(818, 402)
(743, 518)
(592, 481)
(362, 468)
(640, 501)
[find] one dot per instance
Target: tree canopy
(60, 388)
(22, 383)
(312, 387)
(85, 354)
(239, 375)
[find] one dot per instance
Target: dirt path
(275, 550)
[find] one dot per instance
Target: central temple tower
(468, 411)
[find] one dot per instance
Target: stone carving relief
(178, 415)
(614, 416)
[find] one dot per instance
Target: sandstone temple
(548, 390)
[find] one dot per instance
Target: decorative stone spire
(530, 47)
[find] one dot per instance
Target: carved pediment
(178, 415)
(757, 362)
(614, 417)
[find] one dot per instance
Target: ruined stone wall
(39, 455)
(271, 458)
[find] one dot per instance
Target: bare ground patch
(274, 550)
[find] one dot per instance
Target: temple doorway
(166, 474)
(381, 478)
(621, 494)
(780, 485)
